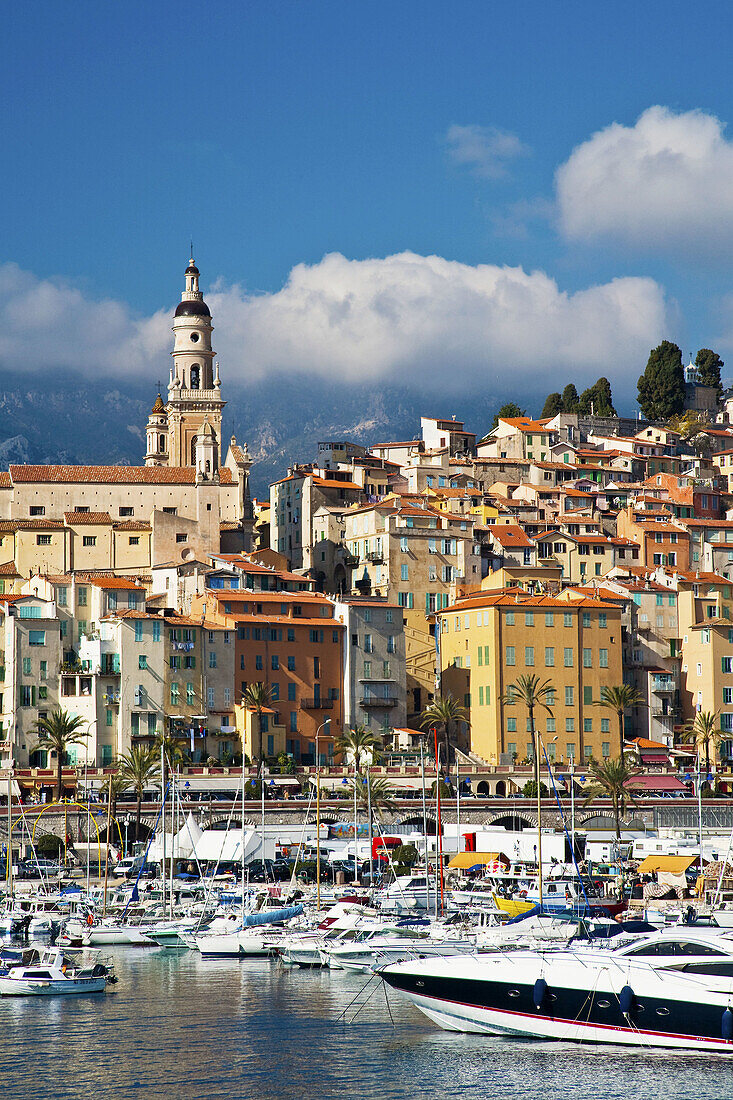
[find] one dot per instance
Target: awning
(464, 860)
(396, 782)
(233, 783)
(657, 758)
(656, 783)
(675, 865)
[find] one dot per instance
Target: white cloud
(665, 183)
(484, 149)
(427, 321)
(50, 324)
(419, 321)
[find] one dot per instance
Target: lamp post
(323, 725)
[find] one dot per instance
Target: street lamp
(323, 725)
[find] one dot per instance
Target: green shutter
(427, 603)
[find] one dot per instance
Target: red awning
(657, 758)
(656, 783)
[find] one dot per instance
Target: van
(127, 867)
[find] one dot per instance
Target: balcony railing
(316, 704)
(373, 701)
(112, 700)
(375, 555)
(663, 683)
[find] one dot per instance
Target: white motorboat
(370, 949)
(53, 975)
(672, 988)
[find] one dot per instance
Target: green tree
(257, 697)
(444, 712)
(597, 400)
(620, 698)
(662, 385)
(140, 767)
(510, 411)
(406, 855)
(57, 732)
(529, 790)
(173, 743)
(552, 405)
(709, 365)
(375, 791)
(570, 399)
(611, 780)
(704, 731)
(358, 744)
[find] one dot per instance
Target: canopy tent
(656, 783)
(229, 783)
(396, 782)
(465, 860)
(675, 865)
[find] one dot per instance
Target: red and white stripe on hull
(472, 1019)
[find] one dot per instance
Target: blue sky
(276, 133)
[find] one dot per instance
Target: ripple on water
(177, 1027)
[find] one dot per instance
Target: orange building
(661, 542)
(291, 642)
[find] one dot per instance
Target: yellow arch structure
(85, 808)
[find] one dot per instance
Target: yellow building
(488, 641)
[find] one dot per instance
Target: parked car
(36, 868)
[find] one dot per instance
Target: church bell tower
(194, 389)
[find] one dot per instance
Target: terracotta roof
(30, 524)
(5, 482)
(334, 483)
(81, 518)
(511, 534)
(9, 570)
(138, 475)
(115, 582)
(519, 599)
(525, 423)
(132, 525)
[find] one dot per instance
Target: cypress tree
(708, 364)
(570, 399)
(662, 385)
(552, 405)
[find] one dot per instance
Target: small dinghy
(52, 975)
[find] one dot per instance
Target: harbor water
(180, 1027)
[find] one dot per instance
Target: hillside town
(393, 587)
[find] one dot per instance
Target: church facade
(187, 499)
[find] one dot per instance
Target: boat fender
(626, 1000)
(90, 919)
(540, 992)
(726, 1025)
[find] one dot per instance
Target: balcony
(373, 701)
(351, 561)
(663, 684)
(110, 665)
(316, 704)
(111, 699)
(375, 556)
(6, 746)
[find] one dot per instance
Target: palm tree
(530, 691)
(374, 791)
(57, 732)
(359, 744)
(257, 697)
(703, 730)
(611, 780)
(620, 698)
(138, 768)
(444, 712)
(171, 743)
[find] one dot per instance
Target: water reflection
(177, 1027)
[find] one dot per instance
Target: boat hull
(493, 1000)
(22, 987)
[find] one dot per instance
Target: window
(36, 637)
(274, 662)
(510, 618)
(727, 664)
(602, 619)
(511, 725)
(570, 725)
(175, 694)
(44, 672)
(138, 630)
(293, 721)
(549, 656)
(587, 725)
(37, 510)
(404, 572)
(212, 658)
(549, 618)
(210, 698)
(142, 660)
(587, 696)
(134, 540)
(605, 725)
(567, 618)
(125, 511)
(89, 540)
(259, 665)
(529, 656)
(587, 658)
(190, 696)
(81, 597)
(291, 664)
(728, 696)
(26, 666)
(568, 658)
(569, 695)
(404, 547)
(529, 618)
(291, 634)
(606, 750)
(181, 537)
(62, 596)
(43, 540)
(586, 619)
(27, 695)
(510, 655)
(291, 693)
(603, 658)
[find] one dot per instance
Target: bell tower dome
(194, 389)
(157, 435)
